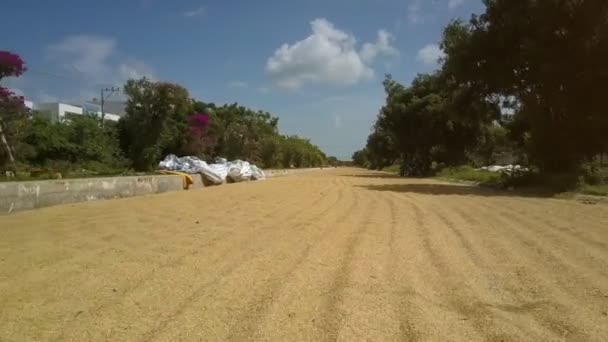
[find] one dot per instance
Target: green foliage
(510, 57)
(299, 152)
(392, 168)
(381, 149)
(155, 121)
(434, 119)
(492, 143)
(516, 49)
(237, 132)
(156, 124)
(597, 190)
(332, 161)
(469, 174)
(360, 158)
(80, 140)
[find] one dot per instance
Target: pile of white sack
(505, 169)
(217, 173)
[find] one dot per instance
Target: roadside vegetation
(161, 118)
(469, 174)
(505, 93)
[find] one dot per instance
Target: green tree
(550, 57)
(360, 158)
(80, 141)
(381, 149)
(333, 161)
(434, 119)
(155, 121)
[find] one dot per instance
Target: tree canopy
(542, 62)
(161, 118)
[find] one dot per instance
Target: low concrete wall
(37, 194)
(15, 196)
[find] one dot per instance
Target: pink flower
(199, 120)
(11, 64)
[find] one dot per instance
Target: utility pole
(111, 91)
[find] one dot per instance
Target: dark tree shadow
(379, 175)
(455, 189)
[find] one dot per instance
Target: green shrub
(597, 190)
(391, 169)
(467, 173)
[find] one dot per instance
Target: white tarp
(257, 173)
(217, 173)
(505, 169)
(239, 171)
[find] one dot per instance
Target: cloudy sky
(317, 65)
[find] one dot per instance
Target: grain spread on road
(333, 255)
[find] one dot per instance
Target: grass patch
(597, 190)
(391, 169)
(528, 182)
(469, 174)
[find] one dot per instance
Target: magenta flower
(199, 120)
(10, 102)
(11, 64)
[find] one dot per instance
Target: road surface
(334, 255)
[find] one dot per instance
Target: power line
(63, 77)
(48, 74)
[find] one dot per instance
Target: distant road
(335, 255)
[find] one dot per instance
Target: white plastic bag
(189, 164)
(257, 173)
(237, 170)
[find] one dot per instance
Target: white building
(29, 104)
(58, 111)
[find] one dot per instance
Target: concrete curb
(17, 196)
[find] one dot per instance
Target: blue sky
(317, 65)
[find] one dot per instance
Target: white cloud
(428, 11)
(382, 46)
(455, 3)
(238, 84)
(135, 69)
(84, 54)
(430, 54)
(96, 61)
(17, 91)
(327, 56)
(414, 12)
(264, 90)
(195, 12)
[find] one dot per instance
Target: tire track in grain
(564, 230)
(456, 291)
(90, 253)
(532, 235)
(227, 251)
(531, 300)
(234, 263)
(329, 318)
(533, 304)
(405, 312)
(249, 321)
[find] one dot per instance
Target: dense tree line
(161, 118)
(543, 62)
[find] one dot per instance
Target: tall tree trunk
(6, 145)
